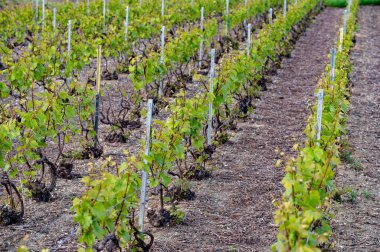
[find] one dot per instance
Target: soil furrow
(357, 222)
(234, 209)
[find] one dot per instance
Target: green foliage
(369, 2)
(367, 195)
(343, 3)
(352, 196)
(335, 3)
(301, 215)
(49, 104)
(108, 205)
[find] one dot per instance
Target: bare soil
(356, 224)
(233, 210)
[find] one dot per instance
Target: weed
(177, 215)
(232, 248)
(367, 195)
(349, 159)
(352, 196)
(356, 165)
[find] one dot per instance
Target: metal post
(54, 19)
(163, 8)
(69, 39)
(126, 22)
(249, 39)
(97, 98)
(270, 16)
(227, 13)
(332, 72)
(161, 87)
(144, 179)
(319, 114)
(211, 90)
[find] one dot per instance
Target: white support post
(104, 12)
(319, 114)
(245, 6)
(349, 6)
(249, 39)
(227, 14)
(162, 61)
(285, 8)
(332, 71)
(69, 47)
(126, 22)
(144, 179)
(88, 8)
(37, 9)
(69, 39)
(211, 90)
(97, 97)
(341, 33)
(140, 3)
(43, 12)
(163, 8)
(54, 19)
(202, 18)
(200, 56)
(108, 6)
(162, 44)
(345, 22)
(270, 13)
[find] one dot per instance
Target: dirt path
(233, 209)
(357, 222)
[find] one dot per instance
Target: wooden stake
(97, 98)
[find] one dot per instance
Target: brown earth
(233, 210)
(356, 225)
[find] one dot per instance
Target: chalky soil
(233, 209)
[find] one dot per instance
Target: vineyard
(189, 125)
